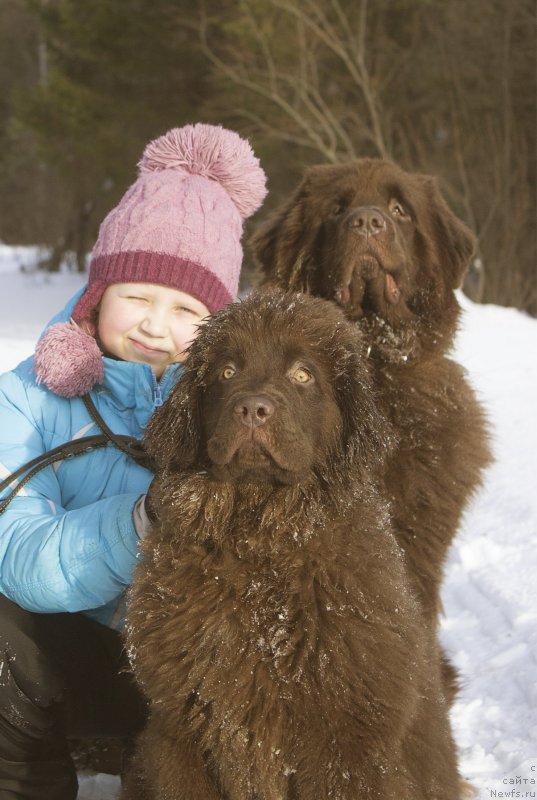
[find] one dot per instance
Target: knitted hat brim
(141, 266)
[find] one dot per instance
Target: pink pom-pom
(212, 152)
(68, 361)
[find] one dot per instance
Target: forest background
(441, 86)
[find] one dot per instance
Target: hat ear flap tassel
(68, 361)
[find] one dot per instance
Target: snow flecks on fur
(392, 345)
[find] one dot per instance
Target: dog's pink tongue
(391, 290)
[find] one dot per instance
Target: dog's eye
(398, 209)
(301, 375)
(337, 209)
(228, 372)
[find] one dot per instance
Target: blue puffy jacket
(67, 542)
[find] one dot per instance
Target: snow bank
(28, 299)
(490, 590)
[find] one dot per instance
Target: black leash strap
(132, 447)
(77, 447)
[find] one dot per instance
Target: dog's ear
(367, 433)
(280, 245)
(173, 435)
(456, 242)
(367, 436)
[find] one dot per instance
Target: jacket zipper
(157, 392)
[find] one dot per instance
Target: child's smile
(146, 348)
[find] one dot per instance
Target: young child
(166, 257)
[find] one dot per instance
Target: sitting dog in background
(383, 244)
(272, 623)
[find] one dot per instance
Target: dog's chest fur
(285, 617)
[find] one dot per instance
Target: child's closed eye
(186, 310)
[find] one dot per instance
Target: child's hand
(142, 519)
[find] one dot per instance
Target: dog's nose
(254, 410)
(367, 221)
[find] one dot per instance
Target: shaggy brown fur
(383, 244)
(272, 623)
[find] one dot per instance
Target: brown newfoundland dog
(272, 624)
(383, 244)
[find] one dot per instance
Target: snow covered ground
(490, 592)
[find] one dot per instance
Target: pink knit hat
(179, 225)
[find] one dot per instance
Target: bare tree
(307, 65)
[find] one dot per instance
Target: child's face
(149, 323)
